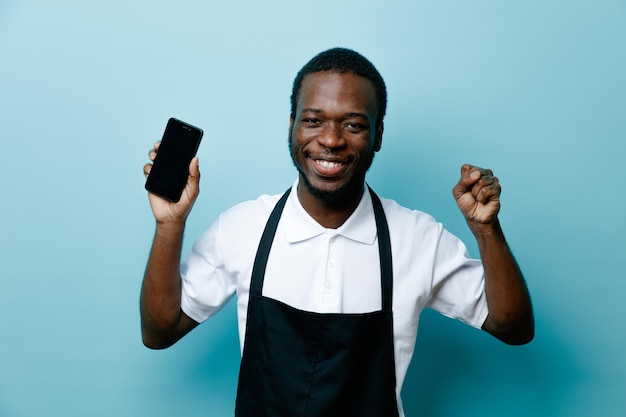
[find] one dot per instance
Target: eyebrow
(349, 114)
(311, 110)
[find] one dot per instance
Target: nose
(331, 136)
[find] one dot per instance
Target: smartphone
(170, 168)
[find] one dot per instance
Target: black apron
(299, 363)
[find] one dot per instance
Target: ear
(378, 138)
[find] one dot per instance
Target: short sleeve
(206, 288)
(458, 286)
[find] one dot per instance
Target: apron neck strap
(384, 250)
(263, 252)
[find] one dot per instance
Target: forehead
(333, 90)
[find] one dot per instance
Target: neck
(330, 213)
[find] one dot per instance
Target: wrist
(170, 226)
(489, 229)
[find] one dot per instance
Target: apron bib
(299, 363)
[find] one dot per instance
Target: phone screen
(170, 169)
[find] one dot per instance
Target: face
(333, 136)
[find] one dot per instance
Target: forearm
(510, 310)
(161, 288)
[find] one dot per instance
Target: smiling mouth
(328, 164)
(328, 169)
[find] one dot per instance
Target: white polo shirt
(336, 270)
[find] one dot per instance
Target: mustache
(324, 153)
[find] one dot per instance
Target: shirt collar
(298, 225)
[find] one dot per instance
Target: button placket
(330, 295)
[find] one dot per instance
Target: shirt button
(331, 264)
(329, 285)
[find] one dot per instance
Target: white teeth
(328, 164)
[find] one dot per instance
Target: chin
(336, 194)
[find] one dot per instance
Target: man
(330, 278)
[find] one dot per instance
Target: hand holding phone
(170, 170)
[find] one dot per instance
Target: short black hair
(343, 60)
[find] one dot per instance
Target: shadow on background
(213, 364)
(198, 375)
(455, 370)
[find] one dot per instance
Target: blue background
(533, 89)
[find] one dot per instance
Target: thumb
(466, 181)
(194, 167)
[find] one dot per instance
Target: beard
(354, 184)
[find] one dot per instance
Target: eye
(311, 121)
(356, 127)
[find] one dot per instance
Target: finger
(488, 192)
(470, 174)
(468, 169)
(152, 152)
(473, 174)
(470, 180)
(482, 181)
(146, 169)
